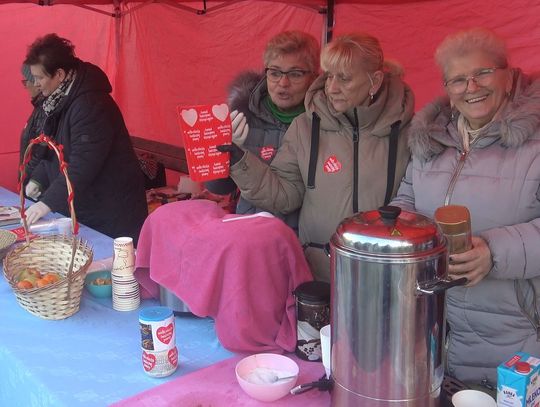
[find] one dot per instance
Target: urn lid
(386, 231)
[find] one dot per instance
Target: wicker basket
(50, 254)
(70, 257)
(7, 238)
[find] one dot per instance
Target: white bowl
(473, 398)
(282, 365)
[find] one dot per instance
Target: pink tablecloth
(216, 386)
(241, 273)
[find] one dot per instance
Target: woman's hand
(32, 190)
(240, 128)
(474, 264)
(36, 212)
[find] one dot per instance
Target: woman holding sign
(346, 153)
(263, 106)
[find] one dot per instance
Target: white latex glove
(36, 212)
(240, 128)
(32, 190)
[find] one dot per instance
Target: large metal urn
(388, 275)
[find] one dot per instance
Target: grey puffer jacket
(281, 187)
(500, 184)
(247, 94)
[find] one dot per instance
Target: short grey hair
(471, 40)
(294, 42)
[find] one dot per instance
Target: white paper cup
(473, 398)
(63, 225)
(124, 256)
(325, 348)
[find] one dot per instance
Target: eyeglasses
(460, 84)
(294, 75)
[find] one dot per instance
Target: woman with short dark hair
(82, 116)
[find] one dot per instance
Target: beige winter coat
(281, 187)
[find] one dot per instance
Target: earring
(371, 95)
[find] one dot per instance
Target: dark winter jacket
(33, 128)
(247, 94)
(102, 166)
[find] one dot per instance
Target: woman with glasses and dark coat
(263, 106)
(480, 147)
(346, 153)
(82, 116)
(34, 124)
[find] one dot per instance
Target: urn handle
(438, 286)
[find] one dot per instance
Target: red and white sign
(203, 128)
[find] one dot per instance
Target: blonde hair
(345, 51)
(471, 40)
(293, 42)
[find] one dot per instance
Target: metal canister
(389, 276)
(312, 313)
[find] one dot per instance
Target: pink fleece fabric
(241, 273)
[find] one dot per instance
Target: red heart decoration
(165, 333)
(173, 356)
(332, 165)
(148, 361)
(267, 152)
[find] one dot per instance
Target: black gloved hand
(236, 152)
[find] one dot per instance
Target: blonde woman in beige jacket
(336, 158)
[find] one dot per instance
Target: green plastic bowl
(99, 291)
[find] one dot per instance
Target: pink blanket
(216, 386)
(241, 273)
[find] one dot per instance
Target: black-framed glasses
(294, 75)
(459, 84)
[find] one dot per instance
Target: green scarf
(283, 117)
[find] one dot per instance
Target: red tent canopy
(159, 54)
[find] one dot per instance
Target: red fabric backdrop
(159, 56)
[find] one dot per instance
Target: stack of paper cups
(125, 288)
(158, 341)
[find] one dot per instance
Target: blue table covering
(92, 358)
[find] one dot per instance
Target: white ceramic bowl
(473, 398)
(267, 391)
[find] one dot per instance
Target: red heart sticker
(267, 152)
(173, 356)
(165, 333)
(332, 164)
(148, 361)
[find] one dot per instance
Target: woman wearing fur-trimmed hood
(480, 148)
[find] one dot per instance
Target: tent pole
(117, 33)
(330, 4)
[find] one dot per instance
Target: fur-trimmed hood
(435, 127)
(242, 90)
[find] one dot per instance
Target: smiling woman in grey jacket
(480, 147)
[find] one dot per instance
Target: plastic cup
(63, 225)
(326, 345)
(473, 398)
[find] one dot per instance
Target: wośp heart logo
(165, 333)
(190, 116)
(220, 112)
